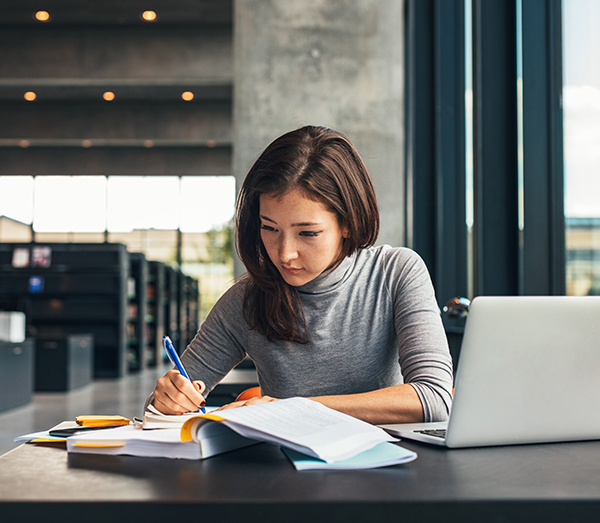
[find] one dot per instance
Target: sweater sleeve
(423, 350)
(218, 345)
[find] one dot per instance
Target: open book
(299, 424)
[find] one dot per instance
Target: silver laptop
(529, 372)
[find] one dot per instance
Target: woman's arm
(397, 404)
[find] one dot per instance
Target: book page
(306, 426)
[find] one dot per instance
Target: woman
(321, 312)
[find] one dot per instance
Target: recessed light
(42, 16)
(108, 96)
(30, 96)
(188, 96)
(149, 16)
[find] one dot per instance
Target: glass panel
(142, 202)
(207, 207)
(16, 208)
(69, 204)
(143, 214)
(207, 202)
(581, 105)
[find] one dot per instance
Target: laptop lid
(529, 372)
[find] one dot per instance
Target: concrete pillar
(337, 63)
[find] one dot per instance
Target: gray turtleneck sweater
(373, 322)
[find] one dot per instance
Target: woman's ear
(345, 232)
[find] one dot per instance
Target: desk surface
(519, 483)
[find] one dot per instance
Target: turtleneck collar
(329, 279)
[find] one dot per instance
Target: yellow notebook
(101, 421)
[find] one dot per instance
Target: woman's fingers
(251, 401)
(200, 386)
(175, 394)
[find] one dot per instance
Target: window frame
(518, 230)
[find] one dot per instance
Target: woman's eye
(266, 227)
(310, 234)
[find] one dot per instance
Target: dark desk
(559, 482)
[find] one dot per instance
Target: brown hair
(326, 167)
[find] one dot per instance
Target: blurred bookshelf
(125, 301)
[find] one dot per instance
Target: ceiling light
(149, 16)
(30, 96)
(108, 96)
(42, 16)
(188, 96)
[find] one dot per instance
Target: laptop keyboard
(436, 433)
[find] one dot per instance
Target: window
(581, 105)
(183, 221)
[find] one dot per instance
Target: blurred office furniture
(16, 373)
(63, 363)
(137, 311)
(125, 302)
(155, 317)
(454, 318)
(240, 380)
(12, 326)
(170, 308)
(70, 288)
(188, 309)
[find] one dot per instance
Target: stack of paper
(162, 443)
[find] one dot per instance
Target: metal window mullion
(451, 227)
(495, 225)
(543, 259)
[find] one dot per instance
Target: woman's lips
(290, 270)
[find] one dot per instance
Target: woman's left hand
(251, 401)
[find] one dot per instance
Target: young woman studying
(321, 312)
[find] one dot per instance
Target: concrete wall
(337, 63)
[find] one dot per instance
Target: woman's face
(302, 237)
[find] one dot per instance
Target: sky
(581, 107)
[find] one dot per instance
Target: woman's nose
(287, 250)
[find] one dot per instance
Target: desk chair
(253, 392)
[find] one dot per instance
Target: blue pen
(174, 357)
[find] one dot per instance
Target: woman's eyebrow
(266, 218)
(301, 224)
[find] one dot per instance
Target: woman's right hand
(175, 394)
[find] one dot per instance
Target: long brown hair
(326, 167)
